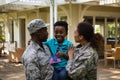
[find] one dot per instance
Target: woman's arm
(77, 66)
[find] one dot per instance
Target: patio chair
(117, 45)
(15, 56)
(108, 46)
(107, 52)
(115, 56)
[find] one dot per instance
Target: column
(106, 30)
(55, 11)
(51, 18)
(70, 18)
(116, 30)
(94, 21)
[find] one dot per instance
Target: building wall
(106, 12)
(74, 13)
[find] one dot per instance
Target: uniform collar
(85, 46)
(56, 42)
(82, 47)
(36, 46)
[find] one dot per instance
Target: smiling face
(60, 33)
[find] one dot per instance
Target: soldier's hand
(71, 52)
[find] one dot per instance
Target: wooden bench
(1, 47)
(15, 56)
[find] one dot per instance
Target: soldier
(36, 56)
(83, 59)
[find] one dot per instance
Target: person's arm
(49, 73)
(76, 66)
(32, 72)
(61, 54)
(66, 56)
(49, 70)
(76, 69)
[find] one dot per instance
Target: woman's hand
(71, 52)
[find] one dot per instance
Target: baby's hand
(60, 54)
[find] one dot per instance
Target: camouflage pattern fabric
(36, 62)
(84, 64)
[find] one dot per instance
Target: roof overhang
(114, 3)
(21, 5)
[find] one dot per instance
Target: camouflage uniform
(84, 64)
(36, 62)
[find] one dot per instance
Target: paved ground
(14, 71)
(108, 72)
(11, 71)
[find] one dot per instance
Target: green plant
(2, 38)
(2, 35)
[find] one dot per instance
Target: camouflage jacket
(84, 64)
(36, 62)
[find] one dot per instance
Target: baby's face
(59, 33)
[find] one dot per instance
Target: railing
(103, 2)
(25, 2)
(3, 2)
(42, 2)
(79, 1)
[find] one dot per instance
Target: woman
(83, 59)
